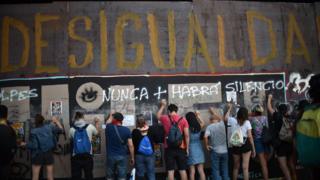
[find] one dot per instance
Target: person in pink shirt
(175, 155)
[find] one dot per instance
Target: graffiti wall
(97, 96)
(61, 57)
(161, 37)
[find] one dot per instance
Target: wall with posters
(95, 96)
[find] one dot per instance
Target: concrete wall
(202, 37)
(158, 38)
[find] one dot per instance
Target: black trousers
(81, 162)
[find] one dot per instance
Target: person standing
(176, 152)
(283, 143)
(308, 128)
(118, 139)
(41, 144)
(217, 147)
(8, 143)
(196, 155)
(247, 148)
(258, 122)
(143, 141)
(81, 136)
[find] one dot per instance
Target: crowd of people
(243, 134)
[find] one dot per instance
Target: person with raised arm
(81, 134)
(218, 146)
(41, 143)
(247, 148)
(283, 138)
(176, 150)
(196, 157)
(118, 141)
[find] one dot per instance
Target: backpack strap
(172, 123)
(117, 132)
(80, 128)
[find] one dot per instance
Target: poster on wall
(253, 96)
(186, 95)
(56, 108)
(55, 101)
(122, 101)
(98, 144)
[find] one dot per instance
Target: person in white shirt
(247, 148)
(82, 160)
(217, 147)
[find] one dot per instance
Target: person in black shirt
(143, 141)
(283, 130)
(8, 143)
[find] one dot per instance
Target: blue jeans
(117, 165)
(219, 166)
(145, 165)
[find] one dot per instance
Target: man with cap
(118, 139)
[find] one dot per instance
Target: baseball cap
(117, 116)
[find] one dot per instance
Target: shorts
(43, 158)
(284, 149)
(243, 149)
(176, 156)
(261, 147)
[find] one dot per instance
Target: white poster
(55, 101)
(252, 96)
(186, 95)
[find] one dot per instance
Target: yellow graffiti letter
(256, 60)
(71, 31)
(20, 26)
(103, 41)
(293, 28)
(154, 41)
(39, 44)
(120, 51)
(194, 27)
(223, 60)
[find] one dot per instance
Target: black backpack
(175, 136)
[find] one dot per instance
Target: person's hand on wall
(96, 123)
(197, 113)
(163, 102)
(229, 106)
(270, 96)
(56, 121)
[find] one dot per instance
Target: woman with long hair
(247, 149)
(196, 155)
(144, 153)
(258, 122)
(283, 147)
(41, 144)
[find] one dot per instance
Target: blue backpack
(145, 146)
(81, 142)
(175, 137)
